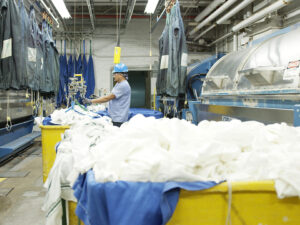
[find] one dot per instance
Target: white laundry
(58, 184)
(96, 107)
(175, 150)
(70, 117)
(38, 121)
(158, 150)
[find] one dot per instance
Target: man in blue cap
(119, 99)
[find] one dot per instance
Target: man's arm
(104, 99)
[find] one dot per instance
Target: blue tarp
(79, 65)
(70, 67)
(90, 77)
(63, 79)
(134, 111)
(47, 121)
(84, 65)
(146, 112)
(61, 82)
(124, 203)
(75, 64)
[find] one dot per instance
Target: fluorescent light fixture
(151, 6)
(61, 8)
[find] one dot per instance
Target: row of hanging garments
(29, 58)
(71, 66)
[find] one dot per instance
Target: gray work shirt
(118, 108)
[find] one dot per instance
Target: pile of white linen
(71, 116)
(146, 149)
(149, 149)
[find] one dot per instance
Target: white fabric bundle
(96, 107)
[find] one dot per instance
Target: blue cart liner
(134, 111)
(123, 203)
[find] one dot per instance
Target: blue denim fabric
(40, 60)
(172, 46)
(33, 79)
(11, 73)
(48, 55)
(24, 39)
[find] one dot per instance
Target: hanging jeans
(33, 81)
(10, 45)
(55, 70)
(40, 61)
(48, 60)
(173, 60)
(163, 62)
(24, 41)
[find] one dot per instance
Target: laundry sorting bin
(51, 135)
(248, 203)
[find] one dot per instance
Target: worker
(119, 99)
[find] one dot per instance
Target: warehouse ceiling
(88, 15)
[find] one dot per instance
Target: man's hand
(86, 101)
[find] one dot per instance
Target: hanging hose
(32, 103)
(91, 46)
(117, 21)
(175, 109)
(8, 119)
(37, 104)
(118, 42)
(81, 18)
(80, 51)
(74, 37)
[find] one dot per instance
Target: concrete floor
(22, 205)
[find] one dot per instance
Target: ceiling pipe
(234, 11)
(205, 31)
(292, 14)
(220, 39)
(227, 16)
(129, 11)
(209, 9)
(255, 17)
(92, 16)
(259, 15)
(212, 16)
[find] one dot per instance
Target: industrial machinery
(258, 83)
(77, 88)
(16, 122)
(196, 74)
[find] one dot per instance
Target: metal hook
(8, 124)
